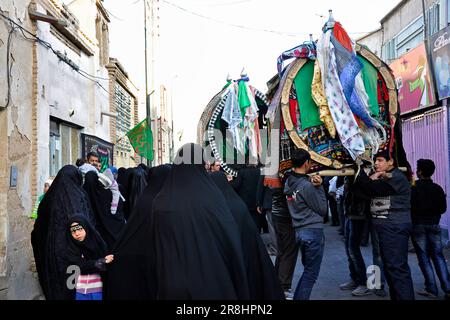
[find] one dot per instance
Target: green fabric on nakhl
(370, 78)
(227, 85)
(309, 111)
(141, 138)
(227, 146)
(244, 101)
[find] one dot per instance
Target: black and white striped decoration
(212, 121)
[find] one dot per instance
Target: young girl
(87, 250)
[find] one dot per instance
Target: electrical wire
(230, 3)
(113, 15)
(284, 33)
(57, 53)
(8, 68)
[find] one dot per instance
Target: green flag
(141, 139)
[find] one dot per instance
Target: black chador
(132, 275)
(262, 279)
(64, 199)
(108, 225)
(198, 249)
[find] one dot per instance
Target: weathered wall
(17, 281)
(86, 12)
(61, 89)
(373, 41)
(408, 12)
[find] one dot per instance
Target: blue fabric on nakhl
(348, 68)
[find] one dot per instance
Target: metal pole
(147, 97)
(172, 151)
(428, 52)
(171, 126)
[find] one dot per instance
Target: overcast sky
(200, 43)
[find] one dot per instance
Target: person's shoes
(288, 294)
(361, 291)
(349, 285)
(380, 292)
(427, 294)
(447, 296)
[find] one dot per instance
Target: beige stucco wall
(17, 281)
(373, 42)
(38, 81)
(61, 89)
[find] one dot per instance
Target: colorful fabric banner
(141, 139)
(309, 112)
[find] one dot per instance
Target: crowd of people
(187, 230)
(167, 232)
(385, 207)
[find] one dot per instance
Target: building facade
(18, 162)
(163, 134)
(60, 102)
(123, 103)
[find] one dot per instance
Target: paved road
(334, 271)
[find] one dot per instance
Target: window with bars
(124, 102)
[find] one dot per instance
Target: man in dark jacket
(287, 249)
(307, 205)
(245, 185)
(357, 219)
(264, 208)
(428, 203)
(390, 192)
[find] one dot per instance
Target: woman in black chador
(108, 224)
(262, 279)
(49, 238)
(132, 276)
(198, 248)
(134, 183)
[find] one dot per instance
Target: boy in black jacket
(390, 193)
(428, 203)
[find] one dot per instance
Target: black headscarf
(85, 254)
(132, 275)
(137, 181)
(262, 279)
(92, 247)
(108, 225)
(64, 199)
(197, 244)
(146, 170)
(122, 177)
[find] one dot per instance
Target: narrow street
(334, 270)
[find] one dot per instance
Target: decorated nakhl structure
(335, 99)
(232, 124)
